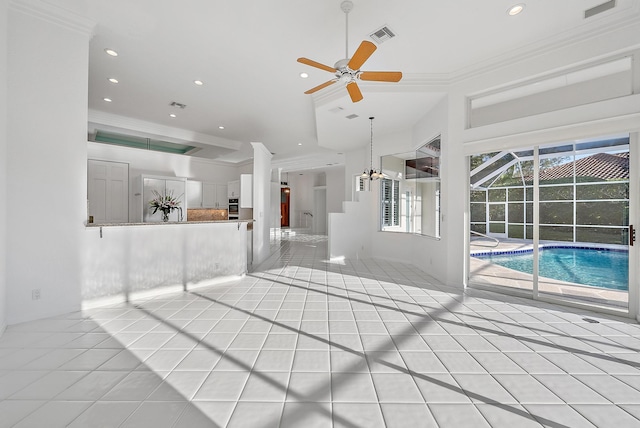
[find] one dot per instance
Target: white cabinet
(233, 191)
(206, 195)
(246, 190)
(147, 185)
(221, 196)
(242, 190)
(194, 194)
(209, 195)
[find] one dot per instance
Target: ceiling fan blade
(317, 88)
(354, 92)
(362, 54)
(312, 63)
(381, 76)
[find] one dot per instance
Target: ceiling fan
(348, 70)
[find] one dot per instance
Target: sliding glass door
(564, 234)
(584, 222)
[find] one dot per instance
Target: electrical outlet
(35, 294)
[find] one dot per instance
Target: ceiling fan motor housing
(344, 73)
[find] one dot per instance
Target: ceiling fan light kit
(347, 71)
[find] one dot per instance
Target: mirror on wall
(410, 191)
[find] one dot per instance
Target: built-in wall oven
(234, 211)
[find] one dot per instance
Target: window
(583, 192)
(410, 197)
(390, 202)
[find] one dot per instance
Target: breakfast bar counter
(132, 258)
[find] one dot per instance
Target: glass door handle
(632, 235)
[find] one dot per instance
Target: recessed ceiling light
(172, 115)
(198, 82)
(304, 75)
(299, 144)
(515, 9)
(107, 100)
(112, 80)
(111, 52)
(220, 127)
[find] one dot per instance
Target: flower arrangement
(166, 203)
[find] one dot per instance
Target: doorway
(285, 199)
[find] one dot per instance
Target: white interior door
(108, 191)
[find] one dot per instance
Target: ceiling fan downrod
(346, 6)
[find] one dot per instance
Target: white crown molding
(416, 82)
(155, 130)
(54, 14)
(614, 23)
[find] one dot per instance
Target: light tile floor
(305, 343)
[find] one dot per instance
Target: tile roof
(603, 166)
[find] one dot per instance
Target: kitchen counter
(123, 259)
(157, 223)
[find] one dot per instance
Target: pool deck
(483, 272)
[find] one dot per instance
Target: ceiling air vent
(175, 104)
(352, 116)
(336, 109)
(599, 9)
(382, 35)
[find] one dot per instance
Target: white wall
(165, 164)
(47, 159)
(245, 168)
(335, 189)
(303, 193)
(301, 185)
(3, 162)
(351, 230)
(319, 211)
(261, 202)
(427, 253)
(355, 161)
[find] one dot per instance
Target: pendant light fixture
(371, 174)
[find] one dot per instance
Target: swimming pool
(596, 267)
